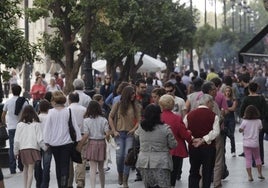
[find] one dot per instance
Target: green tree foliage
(204, 38)
(152, 27)
(14, 49)
(71, 25)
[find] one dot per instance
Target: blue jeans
(229, 125)
(125, 142)
(12, 160)
(42, 176)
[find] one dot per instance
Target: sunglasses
(169, 91)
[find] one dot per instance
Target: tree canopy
(14, 48)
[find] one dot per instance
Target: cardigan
(155, 146)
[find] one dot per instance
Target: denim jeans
(125, 142)
(230, 132)
(42, 175)
(12, 160)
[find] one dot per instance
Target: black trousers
(204, 156)
(177, 169)
(62, 155)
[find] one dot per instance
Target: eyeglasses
(169, 91)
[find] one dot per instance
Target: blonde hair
(58, 97)
(166, 102)
(97, 97)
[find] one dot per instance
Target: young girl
(108, 140)
(27, 142)
(95, 127)
(251, 126)
(229, 119)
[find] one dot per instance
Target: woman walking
(57, 136)
(229, 118)
(156, 139)
(124, 119)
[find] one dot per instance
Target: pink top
(251, 129)
(221, 101)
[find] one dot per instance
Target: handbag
(3, 133)
(3, 136)
(75, 153)
(132, 155)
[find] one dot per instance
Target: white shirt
(96, 128)
(53, 88)
(56, 129)
(28, 136)
(9, 107)
(42, 118)
(78, 111)
(179, 106)
(84, 99)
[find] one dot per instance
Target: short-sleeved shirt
(251, 132)
(9, 107)
(96, 127)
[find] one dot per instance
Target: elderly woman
(156, 139)
(180, 132)
(57, 136)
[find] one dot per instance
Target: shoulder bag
(75, 154)
(3, 136)
(132, 155)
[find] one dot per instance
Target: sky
(200, 4)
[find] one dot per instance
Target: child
(99, 99)
(44, 174)
(250, 126)
(95, 127)
(27, 142)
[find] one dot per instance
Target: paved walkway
(236, 179)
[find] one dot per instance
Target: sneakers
(241, 155)
(233, 154)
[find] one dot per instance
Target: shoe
(107, 169)
(233, 154)
(250, 179)
(225, 174)
(138, 178)
(261, 177)
(241, 155)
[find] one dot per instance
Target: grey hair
(204, 99)
(78, 84)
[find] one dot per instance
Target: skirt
(29, 156)
(96, 150)
(155, 177)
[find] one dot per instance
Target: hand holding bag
(132, 155)
(3, 136)
(75, 154)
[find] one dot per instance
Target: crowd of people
(190, 114)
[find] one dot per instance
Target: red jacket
(180, 132)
